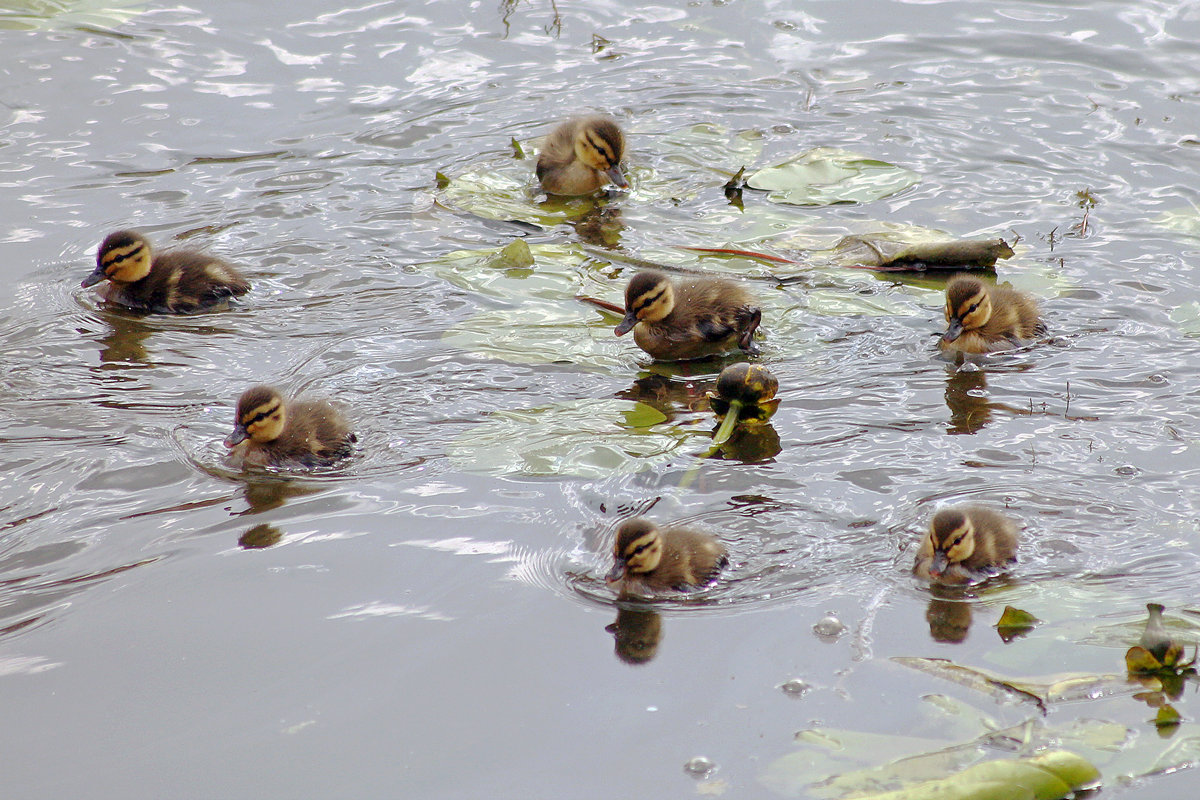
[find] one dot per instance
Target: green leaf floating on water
(1050, 777)
(1180, 220)
(927, 769)
(825, 175)
(585, 439)
(1187, 317)
(1014, 622)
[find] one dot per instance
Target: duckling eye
(637, 551)
(974, 306)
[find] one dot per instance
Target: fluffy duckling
(582, 155)
(983, 319)
(689, 318)
(176, 282)
(649, 559)
(965, 544)
(271, 432)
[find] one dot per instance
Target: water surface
(427, 618)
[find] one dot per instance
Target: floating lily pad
(1180, 220)
(825, 175)
(506, 189)
(585, 439)
(927, 769)
(1187, 317)
(31, 14)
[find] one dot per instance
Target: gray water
(427, 619)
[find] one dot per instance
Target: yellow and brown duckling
(175, 282)
(582, 155)
(269, 431)
(966, 544)
(981, 318)
(652, 559)
(689, 318)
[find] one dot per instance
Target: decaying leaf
(881, 253)
(1044, 690)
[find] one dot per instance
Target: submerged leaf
(514, 255)
(1049, 689)
(586, 438)
(1076, 771)
(826, 175)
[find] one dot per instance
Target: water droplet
(829, 627)
(699, 767)
(796, 687)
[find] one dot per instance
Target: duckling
(983, 319)
(176, 282)
(649, 559)
(690, 318)
(965, 544)
(582, 155)
(311, 433)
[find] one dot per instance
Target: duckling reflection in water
(636, 634)
(175, 282)
(272, 432)
(981, 318)
(689, 318)
(649, 559)
(966, 544)
(949, 620)
(582, 155)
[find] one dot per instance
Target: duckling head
(261, 416)
(951, 540)
(600, 145)
(638, 549)
(968, 306)
(650, 297)
(123, 257)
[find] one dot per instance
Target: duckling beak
(616, 176)
(96, 276)
(940, 562)
(627, 324)
(238, 436)
(615, 574)
(953, 331)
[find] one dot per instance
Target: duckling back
(174, 282)
(272, 432)
(690, 559)
(709, 316)
(651, 559)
